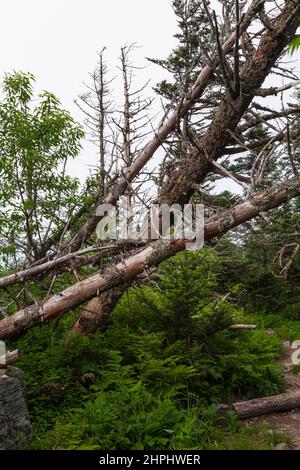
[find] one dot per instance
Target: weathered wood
(34, 271)
(9, 358)
(267, 405)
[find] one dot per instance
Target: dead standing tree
(97, 106)
(220, 135)
(130, 126)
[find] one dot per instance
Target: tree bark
(76, 258)
(211, 146)
(34, 271)
(96, 312)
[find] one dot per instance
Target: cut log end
(9, 358)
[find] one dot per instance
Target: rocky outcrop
(15, 428)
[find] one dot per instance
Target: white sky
(58, 40)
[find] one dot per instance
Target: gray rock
(15, 428)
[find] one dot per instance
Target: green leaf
(294, 44)
(29, 205)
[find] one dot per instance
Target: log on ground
(264, 406)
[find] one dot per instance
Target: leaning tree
(221, 122)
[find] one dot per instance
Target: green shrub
(292, 311)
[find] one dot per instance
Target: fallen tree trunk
(151, 256)
(197, 164)
(267, 405)
(78, 259)
(34, 271)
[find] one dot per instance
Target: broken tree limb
(267, 405)
(76, 257)
(11, 357)
(287, 268)
(263, 92)
(30, 273)
(151, 256)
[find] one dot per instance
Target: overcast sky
(57, 41)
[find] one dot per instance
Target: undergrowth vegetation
(152, 378)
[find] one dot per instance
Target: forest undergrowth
(153, 376)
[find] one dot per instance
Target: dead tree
(151, 256)
(224, 136)
(97, 106)
(131, 126)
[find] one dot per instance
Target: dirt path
(287, 423)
